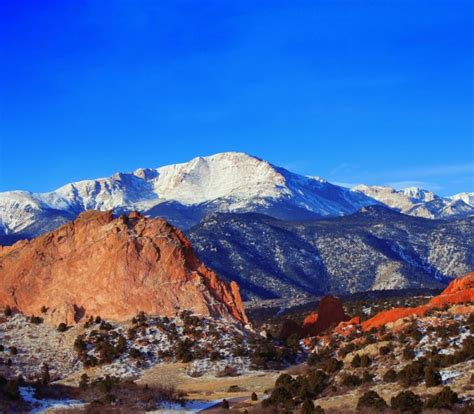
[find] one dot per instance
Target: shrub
(44, 309)
(432, 377)
(384, 350)
(62, 327)
(36, 320)
(13, 350)
(408, 353)
(365, 361)
(225, 404)
(332, 365)
(347, 349)
(228, 371)
(367, 376)
(11, 390)
(317, 381)
(446, 398)
(371, 400)
(350, 380)
(390, 376)
(254, 396)
(45, 377)
(407, 401)
(8, 311)
(411, 374)
(280, 395)
(356, 361)
(84, 382)
(307, 407)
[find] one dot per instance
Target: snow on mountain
(418, 202)
(185, 193)
(468, 198)
(228, 182)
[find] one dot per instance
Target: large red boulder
(330, 314)
(98, 265)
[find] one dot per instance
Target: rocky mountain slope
(98, 265)
(184, 194)
(374, 249)
(417, 202)
(227, 182)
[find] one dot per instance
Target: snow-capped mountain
(228, 182)
(415, 201)
(468, 198)
(184, 194)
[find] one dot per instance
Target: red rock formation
(98, 265)
(330, 314)
(460, 290)
(346, 328)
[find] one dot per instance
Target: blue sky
(379, 92)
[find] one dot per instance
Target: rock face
(330, 314)
(460, 290)
(98, 265)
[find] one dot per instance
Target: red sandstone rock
(98, 265)
(460, 290)
(330, 314)
(346, 328)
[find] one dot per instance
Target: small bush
(371, 400)
(365, 361)
(307, 407)
(84, 382)
(384, 350)
(408, 353)
(356, 361)
(8, 311)
(332, 365)
(432, 377)
(390, 376)
(36, 320)
(350, 380)
(254, 396)
(225, 404)
(62, 327)
(446, 398)
(407, 401)
(412, 374)
(13, 350)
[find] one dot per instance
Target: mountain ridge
(187, 192)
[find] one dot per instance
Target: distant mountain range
(228, 182)
(374, 249)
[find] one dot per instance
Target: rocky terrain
(113, 267)
(374, 249)
(400, 360)
(385, 359)
(228, 182)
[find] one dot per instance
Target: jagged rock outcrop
(460, 290)
(98, 265)
(330, 314)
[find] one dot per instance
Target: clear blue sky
(373, 91)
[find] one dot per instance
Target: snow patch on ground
(40, 406)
